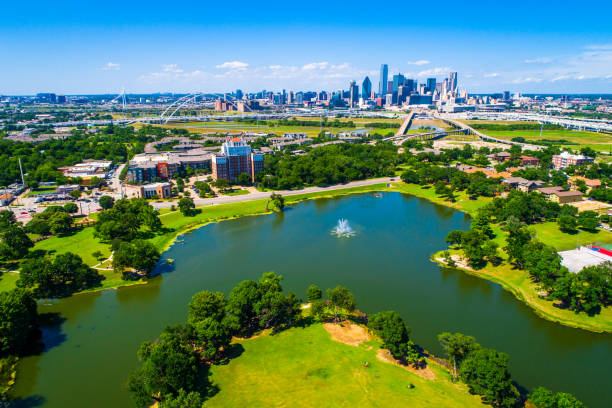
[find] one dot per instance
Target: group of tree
(204, 189)
(125, 218)
(340, 303)
(53, 220)
(14, 240)
(327, 165)
(485, 371)
(187, 206)
(391, 329)
(174, 365)
(58, 276)
(134, 259)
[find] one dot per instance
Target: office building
(398, 80)
(147, 167)
(239, 94)
(452, 79)
(353, 94)
(366, 88)
(384, 76)
(236, 157)
(431, 85)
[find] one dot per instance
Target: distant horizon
(73, 47)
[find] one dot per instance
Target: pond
(91, 347)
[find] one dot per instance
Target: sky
(86, 47)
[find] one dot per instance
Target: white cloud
(171, 68)
(492, 75)
(432, 72)
(110, 66)
(524, 80)
(419, 62)
(316, 65)
(541, 60)
(599, 47)
(232, 65)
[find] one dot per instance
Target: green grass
(580, 138)
(462, 202)
(82, 242)
(8, 281)
(236, 192)
(309, 369)
(550, 234)
(37, 191)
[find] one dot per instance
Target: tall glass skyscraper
(431, 85)
(384, 76)
(366, 89)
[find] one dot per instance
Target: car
(24, 213)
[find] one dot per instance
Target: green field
(8, 280)
(304, 367)
(549, 233)
(45, 190)
(236, 192)
(597, 141)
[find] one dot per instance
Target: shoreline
(462, 204)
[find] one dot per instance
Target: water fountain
(343, 229)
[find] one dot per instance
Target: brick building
(236, 157)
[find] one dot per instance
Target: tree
(410, 176)
(18, 321)
(542, 397)
(457, 347)
(186, 206)
(318, 309)
(168, 365)
(59, 222)
(76, 194)
(588, 220)
(244, 179)
(222, 184)
(454, 237)
(390, 327)
(514, 246)
(567, 223)
(71, 208)
(485, 371)
(241, 306)
(206, 304)
(7, 219)
(182, 400)
(62, 276)
(341, 299)
(139, 255)
(106, 202)
(278, 201)
(14, 243)
(314, 293)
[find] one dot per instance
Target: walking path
(264, 195)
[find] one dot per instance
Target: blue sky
(101, 46)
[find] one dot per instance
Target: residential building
(575, 182)
(559, 195)
(147, 167)
(529, 161)
(384, 74)
(500, 156)
(565, 159)
(236, 157)
(522, 184)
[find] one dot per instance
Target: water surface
(92, 348)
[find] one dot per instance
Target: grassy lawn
(8, 281)
(579, 137)
(462, 202)
(236, 192)
(82, 242)
(549, 233)
(309, 369)
(37, 191)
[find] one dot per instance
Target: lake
(91, 346)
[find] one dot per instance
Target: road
(285, 193)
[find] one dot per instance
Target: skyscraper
(354, 94)
(384, 75)
(366, 88)
(431, 85)
(239, 94)
(397, 81)
(452, 79)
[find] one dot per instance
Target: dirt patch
(349, 333)
(426, 373)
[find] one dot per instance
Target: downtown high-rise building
(398, 80)
(353, 94)
(384, 76)
(366, 88)
(452, 83)
(431, 85)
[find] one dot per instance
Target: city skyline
(67, 49)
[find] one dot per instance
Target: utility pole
(21, 170)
